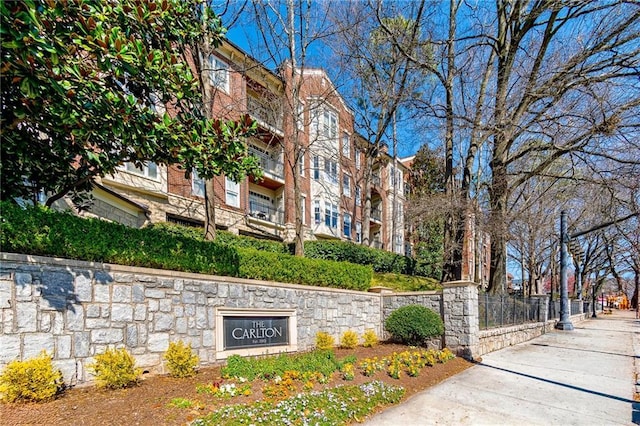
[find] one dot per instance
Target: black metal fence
(502, 310)
(554, 308)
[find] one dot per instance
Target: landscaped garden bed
(211, 396)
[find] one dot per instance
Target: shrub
(349, 339)
(181, 360)
(380, 260)
(31, 380)
(369, 338)
(115, 369)
(412, 324)
(324, 341)
(299, 270)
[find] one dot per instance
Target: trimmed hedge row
(41, 231)
(381, 261)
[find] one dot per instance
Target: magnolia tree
(88, 86)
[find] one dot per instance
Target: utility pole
(565, 308)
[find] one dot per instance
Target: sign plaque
(242, 332)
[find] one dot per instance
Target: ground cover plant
(166, 400)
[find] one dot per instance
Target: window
(398, 243)
(317, 215)
(358, 232)
(331, 170)
(330, 125)
(357, 154)
(197, 184)
(303, 203)
(331, 215)
(218, 73)
(346, 185)
(346, 146)
(232, 193)
(346, 225)
(358, 196)
(316, 167)
(148, 170)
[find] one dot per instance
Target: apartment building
(331, 170)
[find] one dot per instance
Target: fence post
(461, 318)
(543, 307)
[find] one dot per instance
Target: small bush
(324, 341)
(181, 360)
(412, 324)
(32, 380)
(115, 369)
(369, 338)
(349, 339)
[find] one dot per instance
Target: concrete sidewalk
(581, 377)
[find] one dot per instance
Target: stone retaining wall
(497, 338)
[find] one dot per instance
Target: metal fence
(501, 310)
(554, 308)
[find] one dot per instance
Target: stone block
(153, 293)
(5, 294)
(188, 297)
(93, 311)
(81, 344)
(83, 288)
(121, 294)
(154, 305)
(140, 312)
(121, 312)
(63, 347)
(162, 322)
(102, 293)
(45, 322)
(201, 317)
(137, 291)
(34, 343)
(123, 277)
(132, 336)
(75, 318)
(165, 305)
(96, 323)
(9, 348)
(26, 317)
(107, 336)
(158, 342)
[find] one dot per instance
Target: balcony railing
(264, 114)
(264, 211)
(268, 164)
(376, 213)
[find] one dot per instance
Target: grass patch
(401, 282)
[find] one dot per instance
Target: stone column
(544, 306)
(461, 318)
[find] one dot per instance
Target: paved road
(580, 377)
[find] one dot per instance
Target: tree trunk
(210, 211)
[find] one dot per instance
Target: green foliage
(31, 380)
(84, 86)
(349, 339)
(299, 270)
(334, 406)
(369, 338)
(232, 240)
(380, 260)
(181, 360)
(115, 369)
(401, 282)
(412, 324)
(324, 341)
(41, 231)
(319, 361)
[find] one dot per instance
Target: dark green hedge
(291, 269)
(41, 231)
(380, 260)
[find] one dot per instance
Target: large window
(218, 73)
(346, 185)
(331, 170)
(316, 167)
(317, 213)
(232, 193)
(346, 145)
(148, 170)
(331, 215)
(330, 125)
(357, 155)
(346, 225)
(197, 184)
(358, 196)
(358, 232)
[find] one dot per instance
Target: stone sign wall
(75, 310)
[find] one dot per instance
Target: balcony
(376, 213)
(262, 211)
(267, 116)
(269, 165)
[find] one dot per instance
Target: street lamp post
(565, 321)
